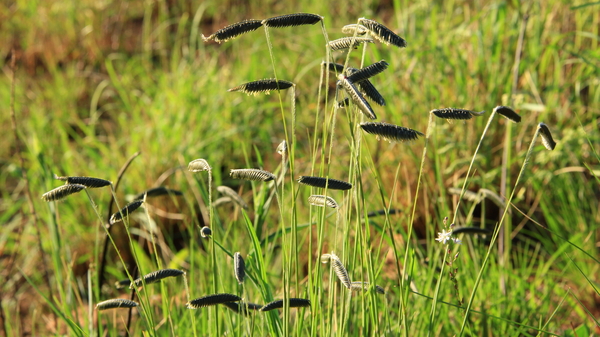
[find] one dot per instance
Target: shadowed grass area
(98, 81)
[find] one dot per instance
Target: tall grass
(167, 97)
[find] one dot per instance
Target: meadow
(476, 226)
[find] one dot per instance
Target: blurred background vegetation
(97, 81)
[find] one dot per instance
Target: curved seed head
(62, 192)
(547, 139)
(198, 165)
(346, 43)
(282, 148)
(290, 20)
(382, 33)
(391, 132)
(356, 97)
(354, 29)
(156, 276)
(508, 113)
(233, 31)
(125, 211)
(206, 232)
(367, 72)
(116, 303)
(208, 300)
(88, 182)
(239, 267)
(252, 174)
(233, 196)
(322, 201)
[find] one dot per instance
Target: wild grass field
(469, 227)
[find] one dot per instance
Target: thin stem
(496, 232)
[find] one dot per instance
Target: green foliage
(98, 81)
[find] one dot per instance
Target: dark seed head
(265, 85)
(62, 192)
(212, 300)
(391, 132)
(116, 303)
(367, 72)
(239, 267)
(452, 113)
(294, 303)
(88, 182)
(125, 211)
(547, 139)
(332, 184)
(356, 97)
(234, 30)
(157, 192)
(382, 33)
(156, 276)
(290, 20)
(205, 232)
(508, 113)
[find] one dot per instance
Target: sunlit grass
(167, 97)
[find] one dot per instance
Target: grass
(97, 83)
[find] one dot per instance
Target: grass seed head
(206, 232)
(367, 72)
(332, 184)
(88, 182)
(125, 211)
(356, 97)
(215, 299)
(62, 192)
(157, 192)
(116, 303)
(346, 43)
(547, 139)
(360, 286)
(508, 113)
(156, 276)
(294, 303)
(340, 270)
(198, 165)
(290, 20)
(322, 201)
(282, 148)
(239, 267)
(233, 31)
(233, 196)
(382, 33)
(264, 85)
(354, 29)
(252, 174)
(453, 113)
(391, 132)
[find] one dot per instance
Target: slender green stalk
(495, 235)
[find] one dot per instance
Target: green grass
(98, 82)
